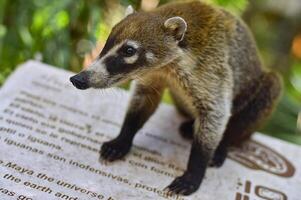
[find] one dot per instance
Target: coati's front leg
(186, 131)
(208, 131)
(144, 102)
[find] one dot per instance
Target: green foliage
(283, 123)
(47, 29)
(237, 6)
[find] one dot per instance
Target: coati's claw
(114, 150)
(184, 185)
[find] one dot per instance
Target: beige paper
(50, 135)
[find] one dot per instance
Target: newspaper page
(51, 133)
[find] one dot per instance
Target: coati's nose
(80, 81)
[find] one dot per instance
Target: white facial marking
(112, 51)
(98, 67)
(99, 73)
(149, 56)
(133, 44)
(131, 60)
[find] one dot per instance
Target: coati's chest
(180, 95)
(182, 101)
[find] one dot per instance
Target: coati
(208, 59)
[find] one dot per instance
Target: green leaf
(2, 31)
(62, 19)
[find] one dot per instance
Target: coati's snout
(80, 80)
(112, 67)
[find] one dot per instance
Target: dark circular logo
(260, 157)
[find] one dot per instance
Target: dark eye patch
(116, 65)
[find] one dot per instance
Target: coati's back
(210, 28)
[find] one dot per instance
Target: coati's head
(140, 43)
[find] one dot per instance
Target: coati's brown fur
(208, 60)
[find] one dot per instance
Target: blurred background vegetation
(70, 33)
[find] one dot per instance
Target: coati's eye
(129, 51)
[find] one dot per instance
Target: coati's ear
(129, 10)
(177, 26)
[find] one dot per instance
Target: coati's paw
(218, 159)
(114, 150)
(185, 184)
(186, 129)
